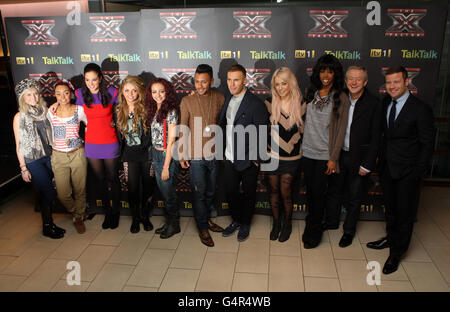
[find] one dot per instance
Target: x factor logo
(107, 28)
(114, 77)
(328, 24)
(178, 25)
(252, 24)
(406, 23)
(47, 82)
(40, 32)
(181, 78)
(412, 73)
(255, 80)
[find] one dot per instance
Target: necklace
(207, 128)
(321, 102)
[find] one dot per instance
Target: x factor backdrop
(171, 43)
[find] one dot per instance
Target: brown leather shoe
(79, 225)
(206, 238)
(214, 227)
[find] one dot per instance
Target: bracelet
(165, 167)
(24, 171)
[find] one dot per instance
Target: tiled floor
(116, 260)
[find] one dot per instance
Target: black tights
(139, 173)
(283, 182)
(105, 170)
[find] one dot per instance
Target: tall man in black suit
(358, 155)
(407, 146)
(241, 110)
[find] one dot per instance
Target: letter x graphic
(180, 25)
(331, 25)
(107, 29)
(248, 25)
(181, 82)
(406, 23)
(40, 32)
(255, 82)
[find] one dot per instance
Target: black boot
(276, 227)
(135, 225)
(145, 216)
(49, 231)
(115, 215)
(107, 222)
(285, 230)
(162, 228)
(173, 227)
(57, 228)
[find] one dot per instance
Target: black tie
(392, 114)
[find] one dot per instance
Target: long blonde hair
(296, 96)
(140, 111)
(24, 107)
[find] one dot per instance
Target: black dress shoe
(379, 244)
(391, 265)
(346, 240)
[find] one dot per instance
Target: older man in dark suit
(358, 155)
(242, 111)
(407, 147)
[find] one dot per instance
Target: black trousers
(346, 188)
(242, 205)
(401, 198)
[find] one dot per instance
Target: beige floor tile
(260, 227)
(224, 244)
(441, 258)
(319, 261)
(190, 253)
(74, 245)
(93, 259)
(112, 277)
(217, 272)
(291, 247)
(180, 280)
(381, 256)
(6, 261)
(9, 283)
(253, 256)
(353, 276)
(250, 282)
(416, 252)
(110, 237)
(429, 234)
(139, 289)
(395, 286)
(368, 231)
(152, 268)
(319, 284)
(440, 214)
(425, 277)
(286, 274)
(168, 243)
(45, 276)
(131, 248)
(18, 245)
(191, 228)
(32, 257)
(62, 286)
(223, 221)
(352, 252)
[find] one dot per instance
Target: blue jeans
(203, 186)
(41, 176)
(168, 187)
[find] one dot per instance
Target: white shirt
(233, 107)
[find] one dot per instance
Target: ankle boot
(276, 227)
(49, 231)
(115, 220)
(135, 225)
(145, 219)
(107, 222)
(162, 228)
(172, 228)
(57, 228)
(286, 230)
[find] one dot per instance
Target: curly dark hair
(103, 90)
(327, 61)
(169, 104)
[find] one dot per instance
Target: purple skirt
(101, 151)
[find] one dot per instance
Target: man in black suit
(358, 155)
(241, 110)
(407, 146)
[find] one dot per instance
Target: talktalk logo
(412, 73)
(344, 54)
(270, 55)
(252, 24)
(40, 32)
(125, 57)
(406, 23)
(255, 80)
(57, 60)
(328, 24)
(114, 77)
(194, 55)
(107, 28)
(181, 78)
(178, 25)
(47, 82)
